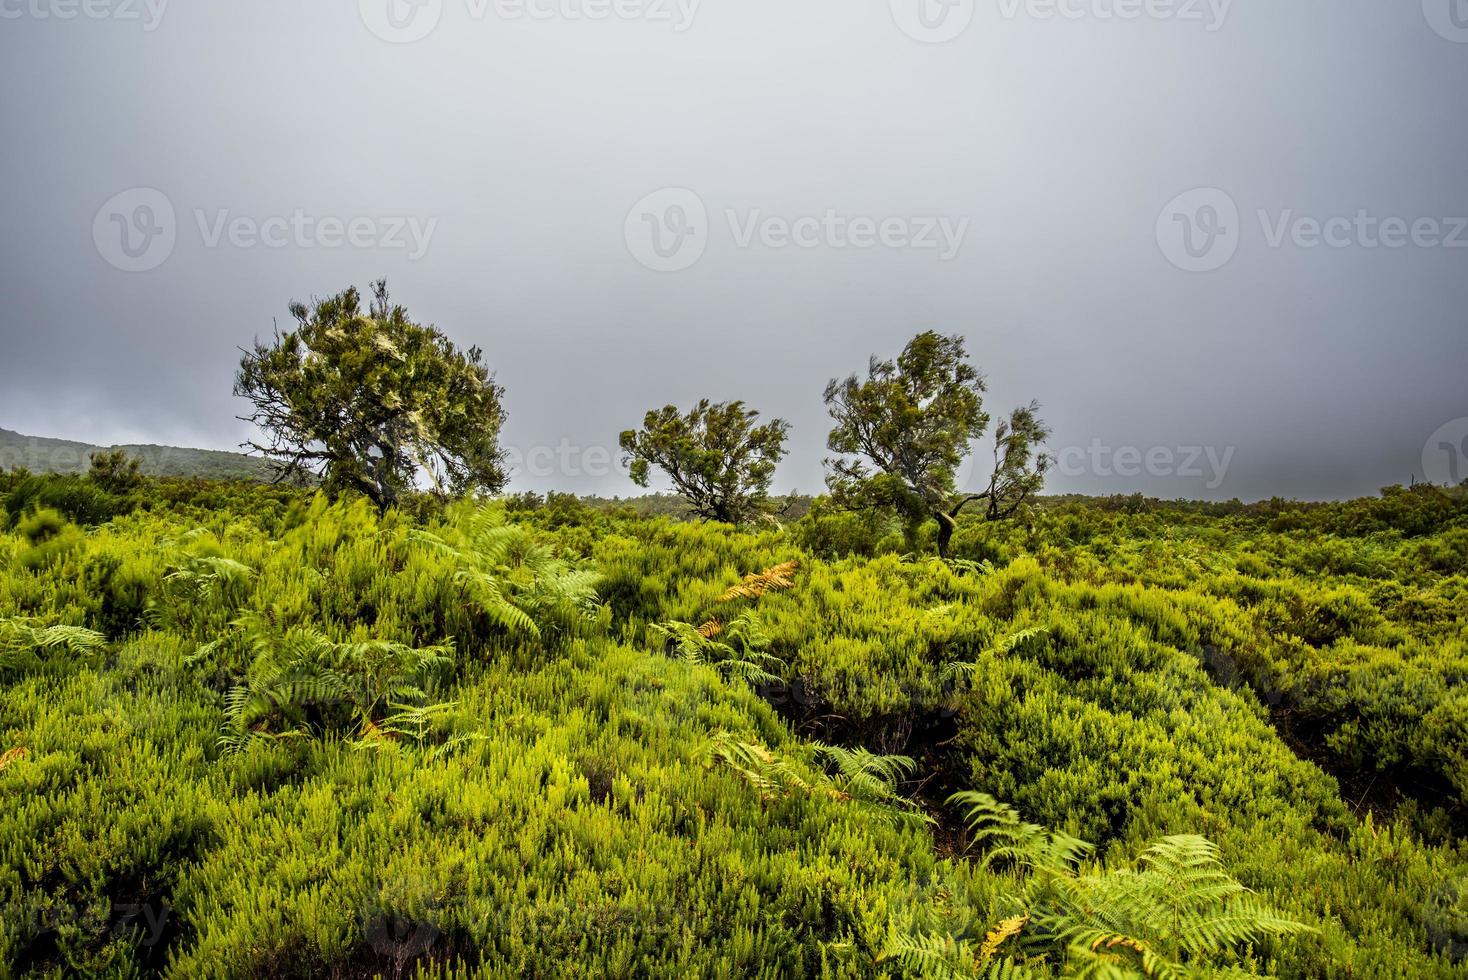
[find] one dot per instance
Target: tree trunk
(946, 525)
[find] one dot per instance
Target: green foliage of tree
(903, 431)
(718, 458)
(370, 400)
(82, 501)
(1019, 468)
(115, 471)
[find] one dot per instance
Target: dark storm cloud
(1215, 239)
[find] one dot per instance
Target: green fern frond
(736, 650)
(964, 670)
(933, 956)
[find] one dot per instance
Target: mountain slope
(41, 455)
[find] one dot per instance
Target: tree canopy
(369, 401)
(718, 458)
(902, 432)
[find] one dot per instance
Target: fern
(871, 780)
(861, 779)
(25, 647)
(13, 755)
(958, 566)
(998, 826)
(302, 682)
(772, 776)
(776, 578)
(1005, 930)
(1175, 911)
(405, 722)
(934, 956)
(518, 583)
(941, 957)
(736, 650)
(965, 670)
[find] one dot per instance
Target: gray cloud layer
(515, 148)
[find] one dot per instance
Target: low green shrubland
(248, 732)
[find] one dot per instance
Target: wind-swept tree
(903, 431)
(717, 457)
(1019, 470)
(369, 400)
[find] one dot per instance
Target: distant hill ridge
(42, 455)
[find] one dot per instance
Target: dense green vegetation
(248, 731)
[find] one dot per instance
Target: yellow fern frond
(776, 578)
(372, 733)
(1004, 930)
(710, 629)
(1126, 942)
(13, 755)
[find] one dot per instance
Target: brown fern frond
(710, 629)
(13, 755)
(776, 578)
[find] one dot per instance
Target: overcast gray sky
(1215, 239)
